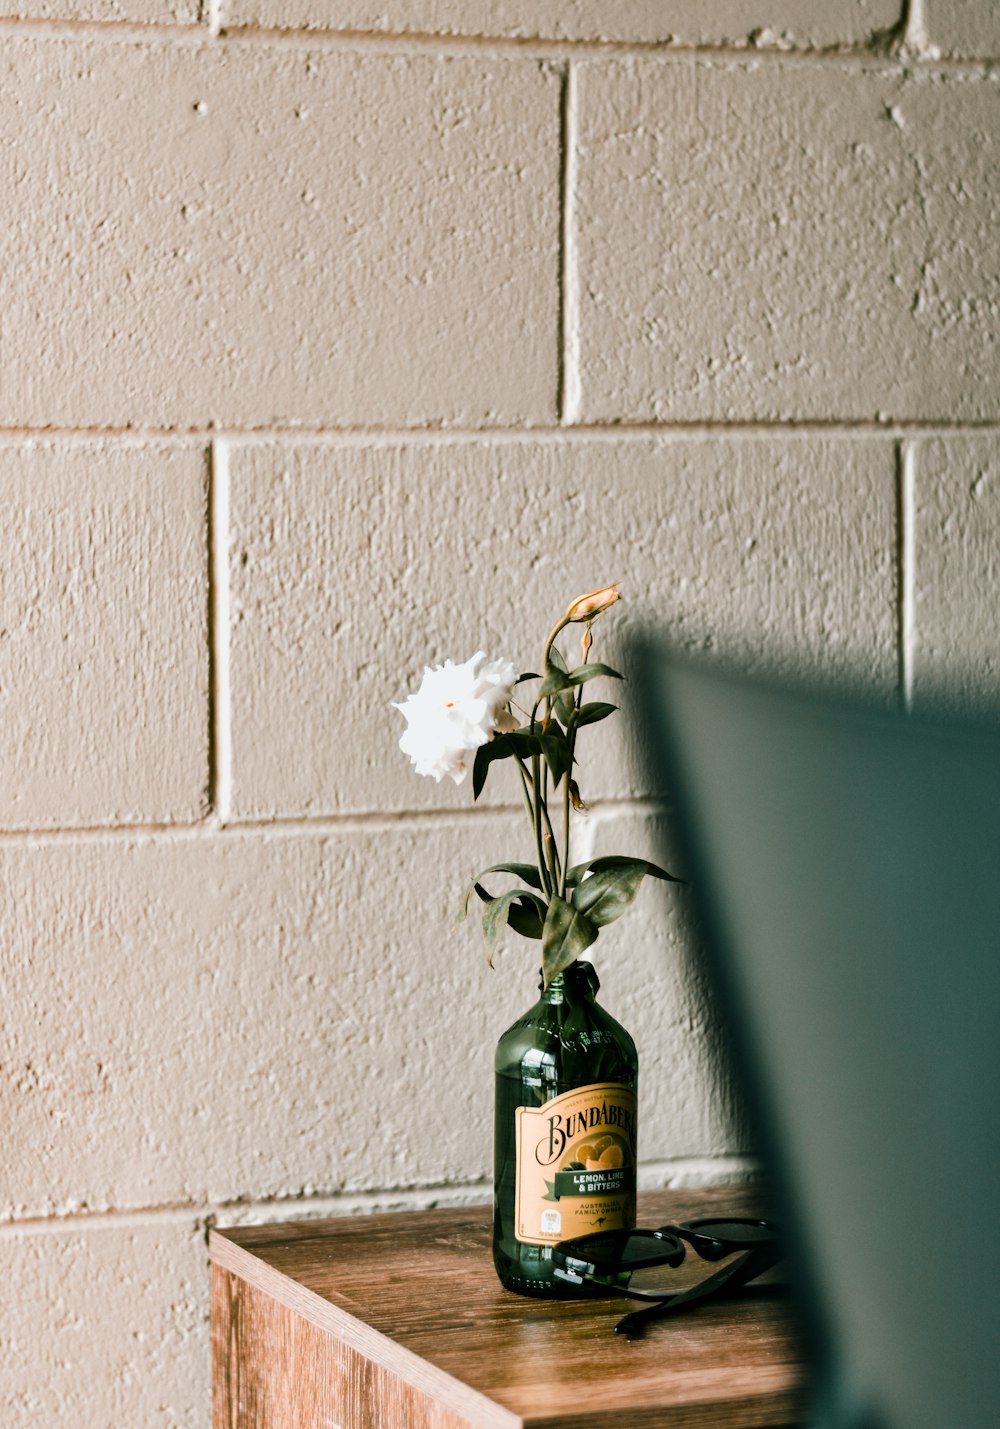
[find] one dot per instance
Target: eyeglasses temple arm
(731, 1277)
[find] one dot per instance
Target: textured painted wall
(340, 338)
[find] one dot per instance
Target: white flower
(456, 709)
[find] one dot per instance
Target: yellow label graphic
(575, 1164)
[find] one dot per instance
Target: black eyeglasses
(636, 1263)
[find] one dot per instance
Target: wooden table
(399, 1322)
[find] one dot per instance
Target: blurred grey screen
(846, 860)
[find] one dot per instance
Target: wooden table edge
(359, 1335)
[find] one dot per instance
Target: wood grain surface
(399, 1322)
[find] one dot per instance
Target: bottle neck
(579, 982)
(556, 990)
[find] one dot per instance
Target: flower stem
(577, 700)
(562, 892)
(527, 783)
(537, 820)
(559, 625)
(550, 839)
(553, 875)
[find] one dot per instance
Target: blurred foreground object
(846, 864)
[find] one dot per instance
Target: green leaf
(583, 673)
(555, 675)
(554, 682)
(558, 754)
(591, 713)
(528, 675)
(557, 680)
(522, 741)
(564, 706)
(496, 748)
(501, 746)
(527, 872)
(605, 896)
(566, 934)
(498, 912)
(527, 915)
(615, 860)
(554, 746)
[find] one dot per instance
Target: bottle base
(539, 1287)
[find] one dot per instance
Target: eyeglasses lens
(601, 1250)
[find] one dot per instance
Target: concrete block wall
(340, 338)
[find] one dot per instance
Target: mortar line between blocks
(312, 1203)
(918, 58)
(539, 47)
(393, 436)
(213, 17)
(569, 292)
(679, 1172)
(314, 825)
(277, 826)
(220, 711)
(906, 503)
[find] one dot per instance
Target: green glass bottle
(564, 1149)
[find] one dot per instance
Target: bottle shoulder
(550, 1035)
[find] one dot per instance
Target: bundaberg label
(576, 1162)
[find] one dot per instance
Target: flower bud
(575, 798)
(586, 607)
